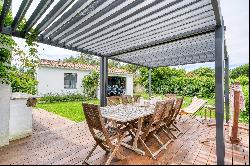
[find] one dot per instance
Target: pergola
(150, 33)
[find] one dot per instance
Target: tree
(131, 68)
(21, 75)
(83, 59)
(114, 64)
(204, 71)
(90, 84)
(242, 70)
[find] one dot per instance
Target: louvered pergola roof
(149, 33)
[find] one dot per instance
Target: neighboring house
(61, 77)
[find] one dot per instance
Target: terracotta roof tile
(61, 64)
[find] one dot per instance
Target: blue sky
(236, 16)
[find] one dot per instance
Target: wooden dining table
(127, 114)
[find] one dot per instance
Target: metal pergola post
(219, 94)
(103, 81)
(150, 82)
(227, 87)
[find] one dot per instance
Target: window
(70, 80)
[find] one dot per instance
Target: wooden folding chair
(102, 136)
(136, 98)
(195, 106)
(167, 116)
(170, 96)
(127, 99)
(171, 120)
(113, 100)
(151, 129)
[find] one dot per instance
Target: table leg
(134, 147)
(137, 135)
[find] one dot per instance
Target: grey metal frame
(21, 13)
(219, 94)
(150, 82)
(145, 33)
(6, 8)
(103, 81)
(227, 87)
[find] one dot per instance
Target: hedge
(56, 97)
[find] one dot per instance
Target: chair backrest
(130, 99)
(127, 99)
(159, 110)
(170, 96)
(195, 105)
(177, 106)
(136, 98)
(113, 100)
(176, 110)
(95, 122)
(155, 120)
(169, 104)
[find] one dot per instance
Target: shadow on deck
(57, 141)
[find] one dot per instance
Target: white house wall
(51, 80)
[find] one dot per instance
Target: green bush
(23, 81)
(170, 80)
(240, 71)
(90, 84)
(21, 75)
(244, 80)
(56, 97)
(244, 116)
(204, 71)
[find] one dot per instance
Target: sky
(236, 17)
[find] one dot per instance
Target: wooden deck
(56, 140)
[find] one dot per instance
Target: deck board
(58, 141)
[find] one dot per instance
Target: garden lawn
(74, 111)
(69, 110)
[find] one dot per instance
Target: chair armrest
(209, 106)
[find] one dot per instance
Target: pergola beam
(173, 27)
(75, 10)
(116, 10)
(37, 14)
(59, 8)
(90, 12)
(49, 42)
(217, 12)
(163, 41)
(131, 18)
(146, 17)
(21, 13)
(4, 13)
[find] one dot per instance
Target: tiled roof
(61, 64)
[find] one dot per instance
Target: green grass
(69, 110)
(74, 111)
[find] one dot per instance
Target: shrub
(57, 97)
(204, 71)
(23, 81)
(90, 84)
(244, 80)
(244, 116)
(240, 71)
(167, 80)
